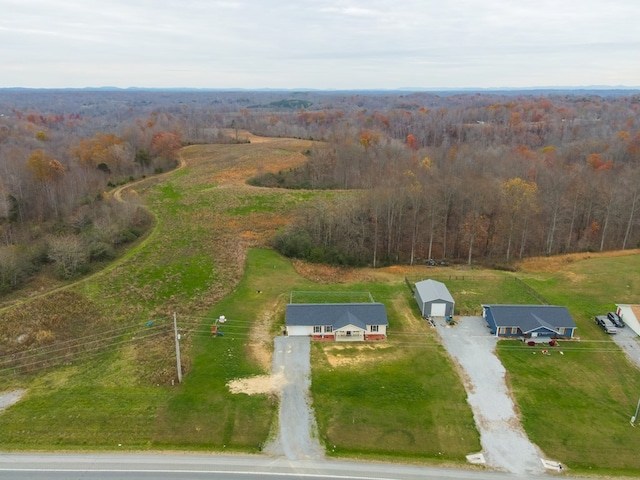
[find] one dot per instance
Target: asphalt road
(234, 467)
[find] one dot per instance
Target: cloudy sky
(324, 44)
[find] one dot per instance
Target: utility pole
(635, 417)
(175, 330)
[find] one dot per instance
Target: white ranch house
(340, 322)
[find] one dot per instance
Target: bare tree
(69, 253)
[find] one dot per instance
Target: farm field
(402, 399)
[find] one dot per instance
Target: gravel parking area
(505, 445)
(630, 344)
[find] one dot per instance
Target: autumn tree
(165, 145)
(519, 198)
(106, 152)
(47, 172)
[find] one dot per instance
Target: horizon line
(315, 89)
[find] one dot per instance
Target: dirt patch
(351, 355)
(10, 398)
(269, 384)
(259, 348)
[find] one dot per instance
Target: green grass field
(402, 399)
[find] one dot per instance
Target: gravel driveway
(297, 435)
(627, 340)
(505, 445)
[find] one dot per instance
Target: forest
(466, 177)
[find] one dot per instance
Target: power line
(62, 346)
(86, 338)
(82, 353)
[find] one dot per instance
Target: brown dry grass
(331, 274)
(260, 346)
(339, 355)
(558, 263)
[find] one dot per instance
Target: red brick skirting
(375, 337)
(324, 338)
(331, 338)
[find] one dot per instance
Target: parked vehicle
(606, 324)
(615, 319)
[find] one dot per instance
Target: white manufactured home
(340, 322)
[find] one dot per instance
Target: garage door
(438, 309)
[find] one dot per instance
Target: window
(317, 329)
(328, 329)
(562, 331)
(373, 328)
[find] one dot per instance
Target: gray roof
(337, 314)
(531, 317)
(430, 290)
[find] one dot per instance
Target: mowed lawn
(402, 399)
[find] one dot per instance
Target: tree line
(467, 177)
(56, 170)
(488, 183)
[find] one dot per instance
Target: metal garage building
(434, 299)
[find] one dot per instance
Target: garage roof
(430, 290)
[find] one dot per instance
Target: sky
(319, 44)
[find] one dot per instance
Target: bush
(298, 244)
(99, 250)
(294, 244)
